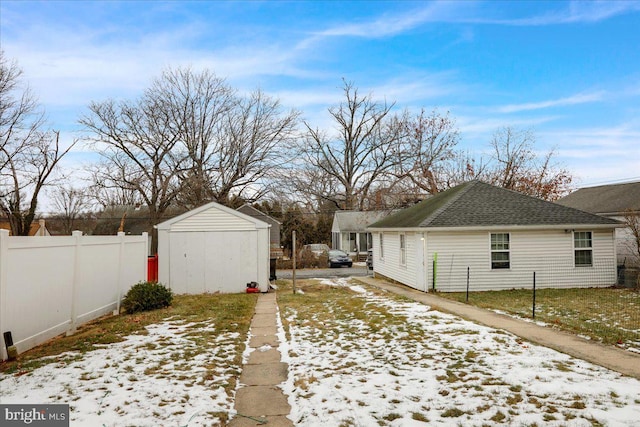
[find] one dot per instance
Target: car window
(336, 252)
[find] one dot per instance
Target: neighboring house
(611, 201)
(349, 230)
(36, 229)
(213, 248)
(495, 237)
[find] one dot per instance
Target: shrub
(305, 259)
(145, 296)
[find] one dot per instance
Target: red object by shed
(152, 268)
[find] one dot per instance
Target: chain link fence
(600, 301)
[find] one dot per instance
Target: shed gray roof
(257, 213)
(605, 199)
(354, 221)
(477, 204)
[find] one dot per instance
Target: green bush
(145, 296)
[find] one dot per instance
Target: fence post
(4, 252)
(467, 284)
(121, 235)
(74, 285)
(533, 315)
(293, 273)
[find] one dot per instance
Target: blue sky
(568, 70)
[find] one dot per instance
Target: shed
(492, 239)
(213, 248)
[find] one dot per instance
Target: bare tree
(632, 220)
(105, 193)
(257, 135)
(517, 167)
(70, 203)
(29, 155)
(189, 139)
(364, 148)
(196, 104)
(136, 140)
(429, 142)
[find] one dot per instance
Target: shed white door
(213, 261)
(187, 266)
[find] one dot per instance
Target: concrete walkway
(610, 357)
(260, 401)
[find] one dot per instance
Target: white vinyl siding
(389, 266)
(213, 249)
(213, 220)
(550, 253)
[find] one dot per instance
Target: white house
(349, 230)
(612, 201)
(491, 238)
(213, 249)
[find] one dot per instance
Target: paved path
(260, 400)
(619, 360)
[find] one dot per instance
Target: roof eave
(502, 227)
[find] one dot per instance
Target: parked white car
(317, 248)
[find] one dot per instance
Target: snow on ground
(162, 378)
(423, 367)
(398, 363)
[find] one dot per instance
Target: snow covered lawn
(362, 357)
(163, 378)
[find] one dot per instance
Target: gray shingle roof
(355, 221)
(605, 199)
(477, 204)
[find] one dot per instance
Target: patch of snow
(146, 380)
(437, 367)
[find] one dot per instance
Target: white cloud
(581, 12)
(580, 98)
(478, 125)
(391, 24)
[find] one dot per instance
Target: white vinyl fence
(51, 285)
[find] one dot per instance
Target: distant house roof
(477, 204)
(605, 199)
(356, 221)
(37, 228)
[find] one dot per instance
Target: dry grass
(228, 312)
(609, 315)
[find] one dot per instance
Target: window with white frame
(500, 256)
(582, 248)
(381, 246)
(403, 250)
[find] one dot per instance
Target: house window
(500, 250)
(582, 248)
(403, 250)
(381, 246)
